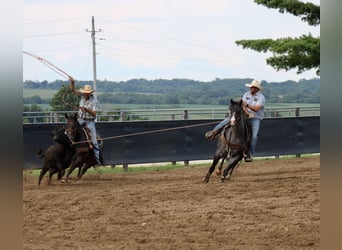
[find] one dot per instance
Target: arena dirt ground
(269, 204)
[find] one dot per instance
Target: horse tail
(41, 153)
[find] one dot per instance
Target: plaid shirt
(90, 104)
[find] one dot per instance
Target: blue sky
(155, 39)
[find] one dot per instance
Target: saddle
(87, 135)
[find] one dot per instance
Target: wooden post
(56, 117)
(297, 112)
(185, 115)
(123, 116)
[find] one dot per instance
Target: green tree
(302, 52)
(64, 100)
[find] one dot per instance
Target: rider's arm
(72, 86)
(254, 108)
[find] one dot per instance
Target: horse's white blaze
(232, 119)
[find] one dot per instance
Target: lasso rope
(49, 65)
(57, 70)
(150, 132)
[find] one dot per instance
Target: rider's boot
(210, 135)
(248, 157)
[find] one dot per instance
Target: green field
(48, 93)
(43, 93)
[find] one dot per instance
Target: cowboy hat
(87, 89)
(254, 83)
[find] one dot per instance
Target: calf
(57, 157)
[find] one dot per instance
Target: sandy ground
(269, 204)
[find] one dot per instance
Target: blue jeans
(90, 124)
(222, 124)
(254, 124)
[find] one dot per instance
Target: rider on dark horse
(87, 113)
(253, 105)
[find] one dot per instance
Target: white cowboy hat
(254, 83)
(87, 89)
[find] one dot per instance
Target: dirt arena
(269, 204)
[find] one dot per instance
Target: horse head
(235, 111)
(72, 126)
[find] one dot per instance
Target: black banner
(178, 140)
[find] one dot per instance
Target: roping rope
(150, 132)
(57, 70)
(49, 65)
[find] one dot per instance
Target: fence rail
(165, 114)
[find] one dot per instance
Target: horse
(57, 157)
(84, 157)
(233, 142)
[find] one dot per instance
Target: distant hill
(185, 91)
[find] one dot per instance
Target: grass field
(48, 93)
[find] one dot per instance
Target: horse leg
(42, 173)
(76, 161)
(71, 168)
(230, 174)
(231, 164)
(80, 169)
(219, 170)
(211, 169)
(85, 167)
(52, 171)
(61, 171)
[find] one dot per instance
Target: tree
(64, 99)
(302, 52)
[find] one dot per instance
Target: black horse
(232, 143)
(84, 157)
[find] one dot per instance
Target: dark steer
(57, 157)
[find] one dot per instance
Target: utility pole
(93, 31)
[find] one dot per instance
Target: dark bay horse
(83, 157)
(232, 143)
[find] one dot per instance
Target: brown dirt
(269, 204)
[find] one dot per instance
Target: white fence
(164, 114)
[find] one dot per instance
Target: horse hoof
(205, 179)
(64, 180)
(222, 179)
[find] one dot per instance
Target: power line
(53, 34)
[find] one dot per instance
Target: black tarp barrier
(178, 140)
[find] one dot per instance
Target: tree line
(179, 91)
